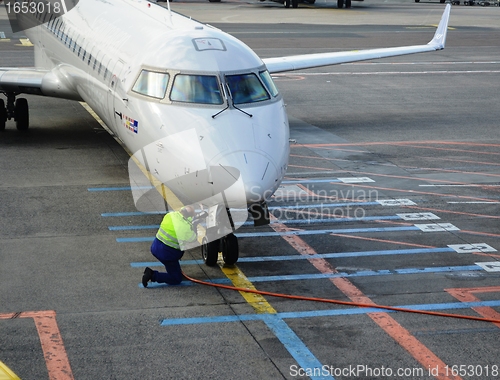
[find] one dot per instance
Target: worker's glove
(201, 215)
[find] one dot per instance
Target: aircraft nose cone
(255, 174)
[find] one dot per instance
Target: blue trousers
(169, 257)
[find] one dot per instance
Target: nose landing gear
(16, 109)
(227, 245)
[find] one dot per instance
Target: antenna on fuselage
(169, 11)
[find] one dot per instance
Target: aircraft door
(117, 98)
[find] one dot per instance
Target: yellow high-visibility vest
(175, 229)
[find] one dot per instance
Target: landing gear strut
(16, 109)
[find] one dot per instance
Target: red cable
(338, 302)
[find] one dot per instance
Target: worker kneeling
(176, 228)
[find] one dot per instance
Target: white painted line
(467, 185)
(493, 266)
(355, 179)
(419, 216)
(396, 202)
(437, 227)
(475, 202)
(469, 248)
(286, 191)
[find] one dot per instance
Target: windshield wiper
(218, 113)
(226, 87)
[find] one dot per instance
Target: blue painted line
(288, 233)
(415, 251)
(321, 205)
(330, 220)
(131, 213)
(121, 188)
(328, 313)
(364, 273)
(129, 228)
(290, 182)
(135, 239)
(286, 221)
(299, 351)
(325, 205)
(321, 232)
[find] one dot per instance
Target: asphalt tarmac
(391, 198)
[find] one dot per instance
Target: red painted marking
(53, 349)
(384, 241)
(467, 295)
(398, 143)
(420, 192)
(397, 332)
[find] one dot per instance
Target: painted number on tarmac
(437, 227)
(493, 266)
(418, 216)
(396, 202)
(469, 248)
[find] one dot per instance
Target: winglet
(439, 39)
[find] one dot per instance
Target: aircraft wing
(56, 83)
(306, 61)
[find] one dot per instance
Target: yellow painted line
(427, 27)
(258, 302)
(4, 39)
(25, 42)
(6, 373)
(233, 273)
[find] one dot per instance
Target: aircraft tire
(287, 3)
(230, 249)
(347, 3)
(210, 251)
(3, 115)
(21, 114)
(340, 4)
(295, 3)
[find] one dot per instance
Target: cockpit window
(246, 88)
(268, 81)
(203, 89)
(152, 84)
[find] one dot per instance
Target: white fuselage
(98, 52)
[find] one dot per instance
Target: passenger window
(268, 81)
(246, 88)
(202, 89)
(151, 83)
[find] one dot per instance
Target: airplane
(197, 106)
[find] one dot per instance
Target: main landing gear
(16, 109)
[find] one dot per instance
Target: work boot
(147, 276)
